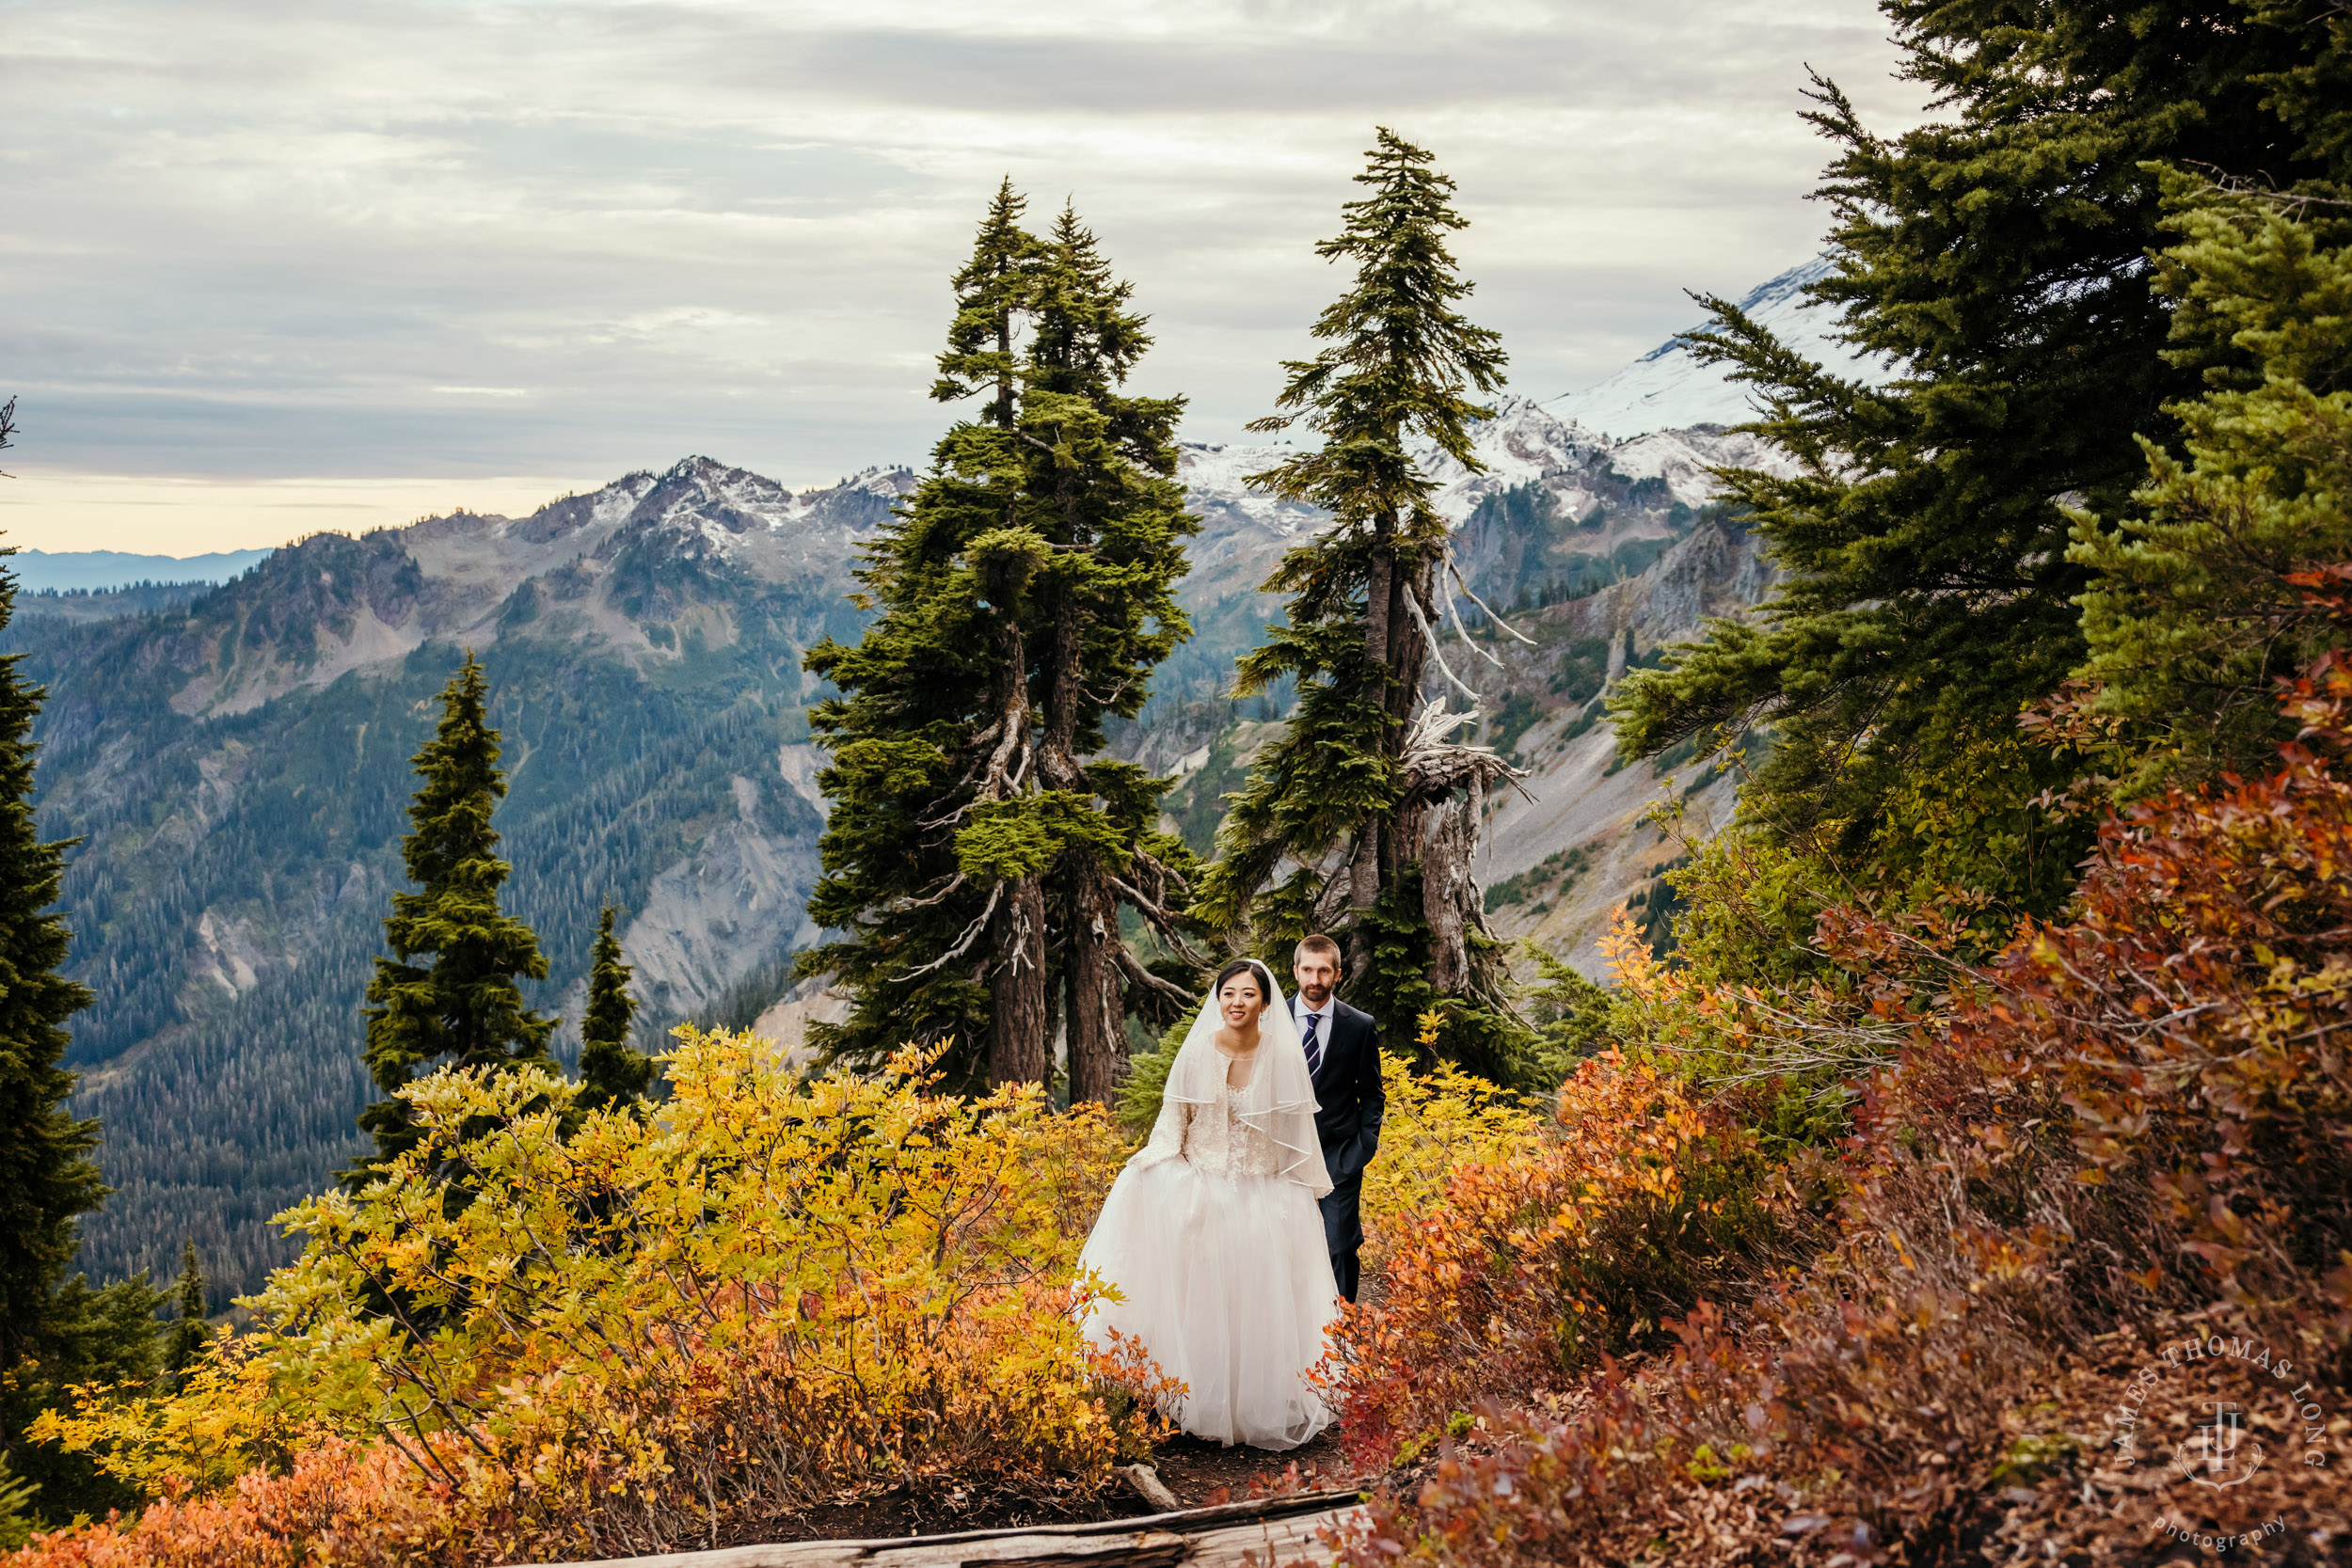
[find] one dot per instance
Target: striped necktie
(1314, 1046)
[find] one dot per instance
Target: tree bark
(1449, 886)
(1408, 660)
(1363, 893)
(1366, 864)
(1408, 651)
(1018, 1050)
(1097, 1017)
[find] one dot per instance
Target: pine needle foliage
(186, 1336)
(1325, 833)
(2195, 615)
(611, 1073)
(978, 853)
(47, 1174)
(1999, 261)
(464, 1008)
(54, 1330)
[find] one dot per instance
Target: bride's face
(1239, 1001)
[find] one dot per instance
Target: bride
(1210, 1232)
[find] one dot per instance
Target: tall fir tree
(1333, 828)
(975, 853)
(611, 1073)
(47, 1174)
(56, 1332)
(2000, 261)
(928, 731)
(464, 1008)
(1100, 490)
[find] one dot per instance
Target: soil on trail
(1199, 1473)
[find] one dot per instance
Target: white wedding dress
(1212, 1237)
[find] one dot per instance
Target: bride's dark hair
(1250, 968)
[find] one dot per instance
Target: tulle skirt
(1229, 1287)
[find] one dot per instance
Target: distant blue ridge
(100, 569)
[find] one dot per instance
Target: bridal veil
(1279, 1102)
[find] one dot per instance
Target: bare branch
(963, 944)
(1454, 613)
(1463, 583)
(1436, 766)
(1166, 924)
(1436, 652)
(900, 906)
(1149, 981)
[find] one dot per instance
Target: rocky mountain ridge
(237, 762)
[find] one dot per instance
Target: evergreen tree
(54, 1331)
(464, 1008)
(47, 1174)
(610, 1072)
(2195, 614)
(1343, 798)
(929, 731)
(1999, 259)
(1100, 490)
(1024, 592)
(185, 1340)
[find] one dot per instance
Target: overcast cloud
(480, 249)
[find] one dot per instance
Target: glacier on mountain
(1671, 388)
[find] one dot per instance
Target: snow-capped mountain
(234, 761)
(1669, 388)
(1616, 491)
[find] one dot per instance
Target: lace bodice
(1217, 1142)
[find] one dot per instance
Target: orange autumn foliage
(2137, 1114)
(1535, 1265)
(341, 1505)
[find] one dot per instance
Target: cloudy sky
(268, 266)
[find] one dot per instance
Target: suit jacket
(1347, 1088)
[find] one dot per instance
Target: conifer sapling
(463, 1007)
(47, 1174)
(188, 1334)
(611, 1074)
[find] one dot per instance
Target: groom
(1344, 1063)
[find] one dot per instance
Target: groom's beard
(1315, 995)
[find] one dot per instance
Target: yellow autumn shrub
(1435, 1123)
(777, 1292)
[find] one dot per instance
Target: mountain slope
(237, 765)
(238, 770)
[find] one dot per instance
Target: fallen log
(1275, 1531)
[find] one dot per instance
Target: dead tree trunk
(1446, 784)
(1449, 885)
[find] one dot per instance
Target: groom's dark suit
(1347, 1089)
